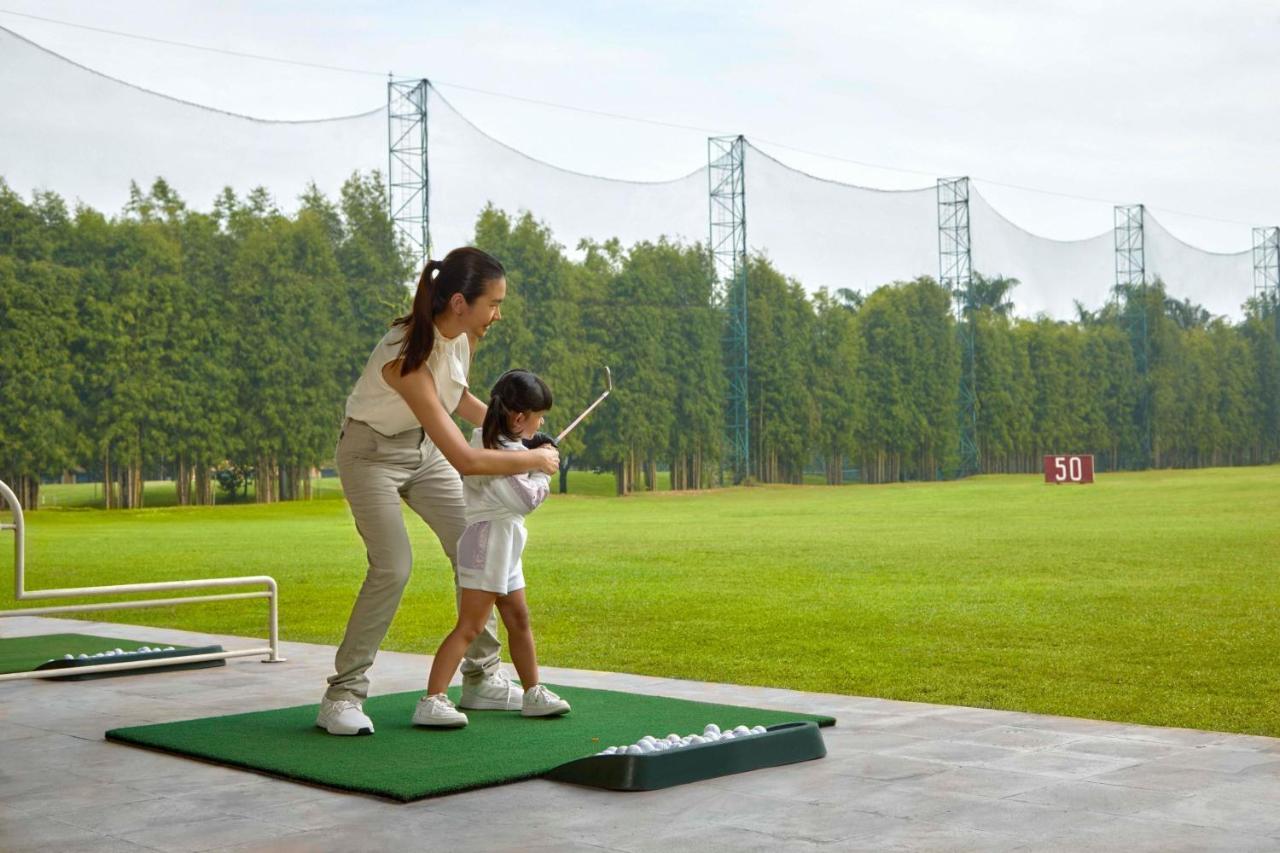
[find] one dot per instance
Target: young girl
(489, 568)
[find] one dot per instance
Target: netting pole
(1131, 283)
(955, 272)
(728, 202)
(408, 187)
(1266, 273)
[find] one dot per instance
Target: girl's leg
(515, 615)
(474, 608)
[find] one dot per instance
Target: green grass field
(1149, 598)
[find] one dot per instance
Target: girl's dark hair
(467, 271)
(515, 391)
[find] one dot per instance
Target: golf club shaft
(578, 419)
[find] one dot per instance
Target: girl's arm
(471, 409)
(419, 392)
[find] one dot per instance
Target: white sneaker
(343, 717)
(439, 712)
(541, 702)
(492, 693)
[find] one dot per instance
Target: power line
(610, 115)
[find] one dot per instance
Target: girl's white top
(377, 403)
(490, 547)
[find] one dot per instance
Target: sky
(1166, 103)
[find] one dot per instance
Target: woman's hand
(548, 459)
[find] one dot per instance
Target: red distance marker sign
(1068, 469)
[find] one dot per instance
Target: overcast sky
(1167, 103)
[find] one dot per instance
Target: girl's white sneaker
(541, 702)
(439, 712)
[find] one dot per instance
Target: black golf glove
(538, 440)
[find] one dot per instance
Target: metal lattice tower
(955, 272)
(727, 186)
(408, 187)
(1131, 282)
(1266, 262)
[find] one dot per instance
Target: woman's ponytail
(467, 271)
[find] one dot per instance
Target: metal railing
(21, 593)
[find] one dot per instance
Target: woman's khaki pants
(377, 472)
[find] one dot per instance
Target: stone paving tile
(1017, 737)
(1213, 758)
(1097, 797)
(975, 782)
(1028, 821)
(1164, 778)
(205, 834)
(886, 768)
(1058, 763)
(54, 836)
(1221, 812)
(961, 753)
(1135, 835)
(918, 835)
(1114, 747)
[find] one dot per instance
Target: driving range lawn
(1150, 598)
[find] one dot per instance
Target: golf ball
(68, 657)
(741, 730)
(711, 729)
(634, 750)
(84, 657)
(758, 730)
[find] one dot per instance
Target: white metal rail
(21, 593)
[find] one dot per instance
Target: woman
(398, 442)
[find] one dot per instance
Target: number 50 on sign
(1076, 468)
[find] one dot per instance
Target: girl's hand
(548, 459)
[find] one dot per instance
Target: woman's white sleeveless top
(377, 403)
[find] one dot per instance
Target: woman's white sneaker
(439, 712)
(343, 717)
(492, 693)
(541, 702)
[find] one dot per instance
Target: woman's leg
(515, 615)
(372, 469)
(474, 609)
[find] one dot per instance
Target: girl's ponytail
(495, 421)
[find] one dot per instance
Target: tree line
(221, 345)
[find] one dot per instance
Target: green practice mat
(23, 654)
(407, 763)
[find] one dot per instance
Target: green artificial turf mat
(23, 654)
(407, 763)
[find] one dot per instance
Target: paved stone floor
(898, 776)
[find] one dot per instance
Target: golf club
(609, 380)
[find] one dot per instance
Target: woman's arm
(419, 392)
(471, 409)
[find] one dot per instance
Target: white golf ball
(84, 656)
(758, 730)
(119, 651)
(633, 750)
(609, 750)
(711, 729)
(169, 649)
(696, 739)
(646, 746)
(68, 657)
(741, 730)
(726, 736)
(673, 738)
(110, 654)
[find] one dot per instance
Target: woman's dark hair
(515, 391)
(467, 271)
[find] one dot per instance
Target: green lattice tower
(408, 184)
(955, 272)
(1266, 272)
(1131, 282)
(728, 202)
